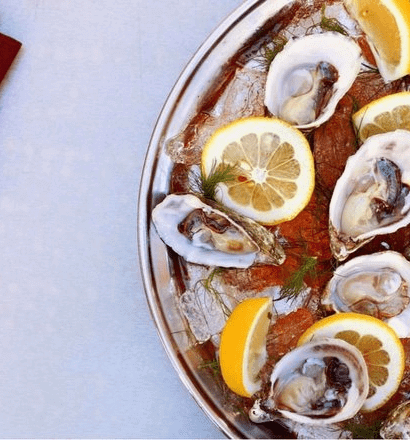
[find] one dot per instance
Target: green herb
(188, 334)
(356, 104)
(212, 365)
(355, 108)
(295, 283)
(240, 410)
(369, 69)
(207, 284)
(269, 53)
(206, 184)
(327, 24)
(360, 430)
(331, 24)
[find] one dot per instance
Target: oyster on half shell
(309, 76)
(376, 284)
(321, 382)
(207, 235)
(372, 197)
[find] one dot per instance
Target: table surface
(80, 356)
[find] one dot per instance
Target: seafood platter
(276, 190)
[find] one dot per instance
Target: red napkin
(9, 48)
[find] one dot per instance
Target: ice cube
(243, 97)
(205, 311)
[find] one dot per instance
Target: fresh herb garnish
(328, 24)
(369, 69)
(212, 365)
(269, 53)
(295, 284)
(207, 284)
(331, 23)
(355, 108)
(206, 185)
(361, 430)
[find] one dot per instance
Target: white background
(79, 353)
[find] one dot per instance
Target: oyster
(376, 284)
(323, 381)
(309, 76)
(397, 424)
(205, 234)
(372, 197)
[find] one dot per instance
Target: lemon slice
(381, 348)
(384, 114)
(386, 24)
(242, 351)
(273, 165)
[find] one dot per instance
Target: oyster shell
(372, 197)
(204, 234)
(376, 284)
(397, 424)
(321, 382)
(309, 76)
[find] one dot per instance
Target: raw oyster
(309, 76)
(205, 234)
(376, 284)
(372, 197)
(397, 424)
(323, 381)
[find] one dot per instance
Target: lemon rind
(233, 356)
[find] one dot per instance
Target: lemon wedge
(242, 351)
(273, 166)
(381, 348)
(386, 24)
(382, 115)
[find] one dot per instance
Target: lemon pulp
(386, 24)
(273, 165)
(382, 115)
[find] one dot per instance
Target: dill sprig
(207, 284)
(213, 365)
(206, 185)
(360, 430)
(331, 23)
(328, 24)
(295, 284)
(355, 108)
(355, 104)
(269, 53)
(369, 69)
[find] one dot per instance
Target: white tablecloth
(79, 353)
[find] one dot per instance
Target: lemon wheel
(381, 348)
(274, 168)
(242, 351)
(385, 114)
(386, 24)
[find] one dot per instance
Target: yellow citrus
(242, 351)
(381, 348)
(386, 24)
(273, 166)
(384, 114)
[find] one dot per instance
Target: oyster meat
(204, 234)
(397, 424)
(372, 197)
(321, 382)
(309, 76)
(376, 284)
